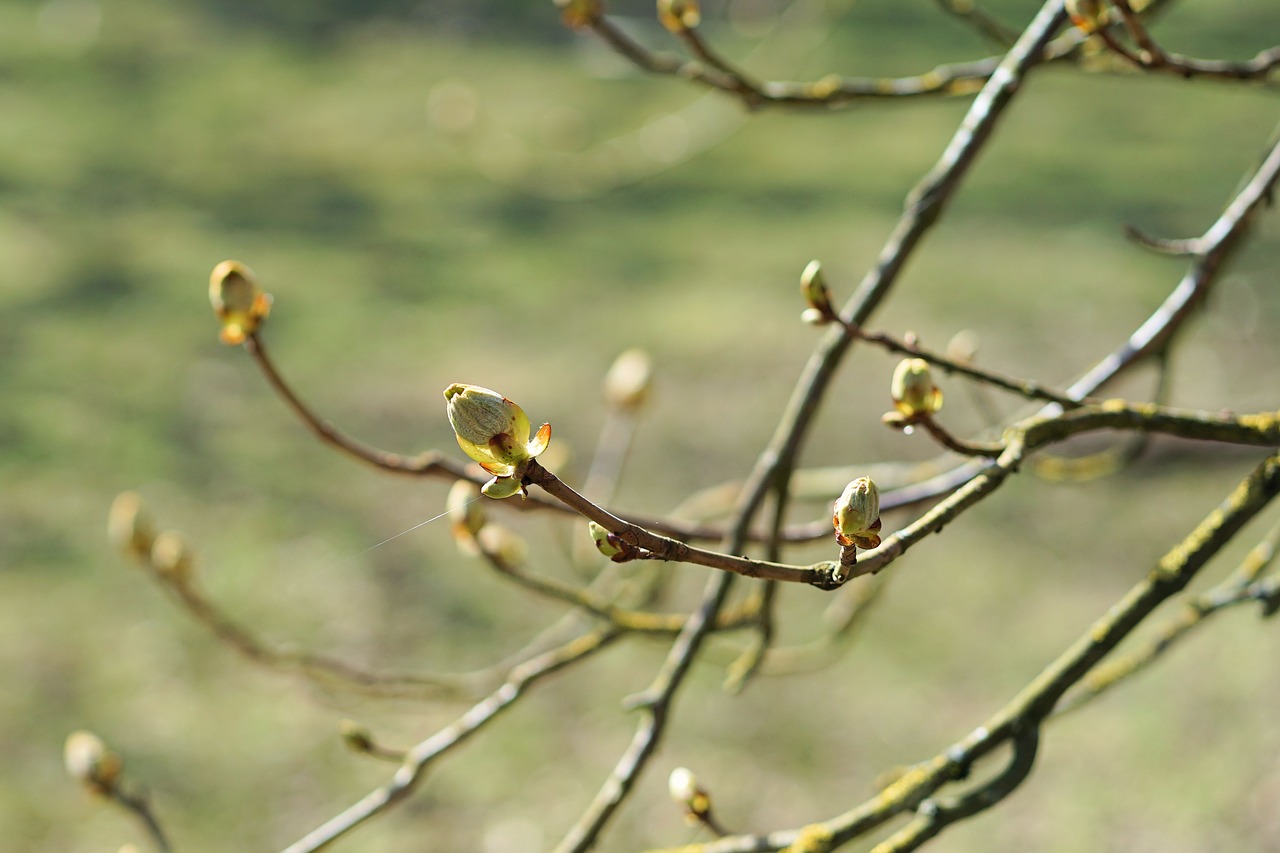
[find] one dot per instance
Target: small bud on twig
(239, 303)
(856, 514)
(629, 379)
(679, 15)
(171, 557)
(816, 294)
(128, 526)
(1085, 14)
(357, 737)
(466, 516)
(913, 392)
(90, 763)
(577, 14)
(611, 545)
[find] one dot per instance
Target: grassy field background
(455, 193)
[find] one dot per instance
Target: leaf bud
(90, 763)
(856, 515)
(171, 557)
(606, 542)
(494, 432)
(912, 389)
(238, 302)
(629, 379)
(357, 737)
(679, 15)
(682, 785)
(813, 287)
(466, 516)
(128, 526)
(1085, 14)
(577, 14)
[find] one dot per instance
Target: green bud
(856, 515)
(494, 432)
(606, 542)
(912, 389)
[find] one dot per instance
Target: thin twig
(1035, 702)
(421, 756)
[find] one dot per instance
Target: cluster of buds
(679, 15)
(915, 397)
(813, 287)
(89, 762)
(238, 302)
(494, 432)
(130, 529)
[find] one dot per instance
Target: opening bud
(856, 515)
(238, 302)
(90, 763)
(494, 432)
(679, 15)
(128, 526)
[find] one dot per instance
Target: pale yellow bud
(90, 763)
(171, 557)
(466, 516)
(1085, 14)
(580, 13)
(357, 737)
(128, 526)
(238, 302)
(683, 785)
(679, 15)
(856, 515)
(912, 389)
(629, 379)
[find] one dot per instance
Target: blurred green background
(459, 191)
